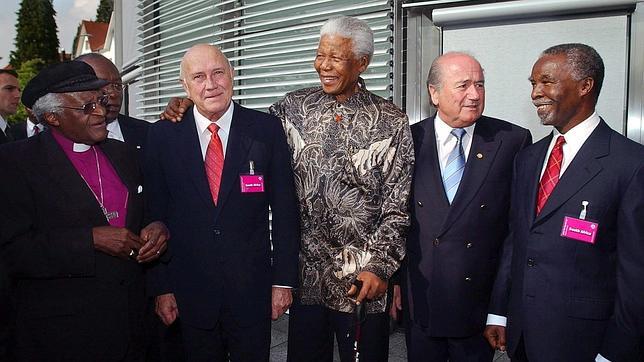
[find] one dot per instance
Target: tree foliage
(27, 70)
(36, 33)
(104, 11)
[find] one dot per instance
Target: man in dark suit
(9, 101)
(571, 282)
(70, 214)
(212, 178)
(28, 128)
(120, 127)
(459, 215)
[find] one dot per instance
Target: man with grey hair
(352, 157)
(71, 212)
(571, 281)
(460, 208)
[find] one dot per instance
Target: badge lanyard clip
(582, 214)
(251, 166)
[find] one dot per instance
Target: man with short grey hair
(352, 157)
(71, 213)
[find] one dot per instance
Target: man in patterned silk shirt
(352, 159)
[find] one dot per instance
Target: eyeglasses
(116, 86)
(89, 108)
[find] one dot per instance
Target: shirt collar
(67, 144)
(114, 131)
(577, 135)
(223, 122)
(443, 130)
(3, 124)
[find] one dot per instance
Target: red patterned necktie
(214, 161)
(36, 130)
(551, 174)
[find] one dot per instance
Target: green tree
(104, 11)
(27, 70)
(36, 33)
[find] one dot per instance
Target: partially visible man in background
(120, 127)
(9, 101)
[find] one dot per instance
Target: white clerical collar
(114, 131)
(223, 122)
(80, 147)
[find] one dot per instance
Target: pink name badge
(578, 229)
(251, 183)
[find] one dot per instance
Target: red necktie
(551, 174)
(214, 161)
(36, 130)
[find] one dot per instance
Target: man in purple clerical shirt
(71, 212)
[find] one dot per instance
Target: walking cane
(359, 317)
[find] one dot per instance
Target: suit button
(217, 232)
(420, 204)
(468, 279)
(483, 206)
(468, 245)
(436, 242)
(531, 262)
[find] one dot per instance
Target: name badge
(578, 229)
(251, 183)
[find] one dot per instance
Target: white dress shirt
(575, 138)
(30, 127)
(445, 141)
(114, 131)
(204, 134)
(3, 125)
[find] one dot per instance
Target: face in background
(106, 70)
(74, 123)
(338, 67)
(558, 97)
(208, 80)
(9, 95)
(460, 99)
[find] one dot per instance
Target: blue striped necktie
(455, 165)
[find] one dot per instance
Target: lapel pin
(479, 155)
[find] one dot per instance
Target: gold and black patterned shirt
(353, 166)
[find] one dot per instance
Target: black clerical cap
(65, 77)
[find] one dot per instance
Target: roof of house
(96, 34)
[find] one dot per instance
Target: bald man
(212, 178)
(460, 203)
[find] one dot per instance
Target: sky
(69, 14)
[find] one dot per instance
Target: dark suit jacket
(222, 255)
(571, 299)
(19, 131)
(6, 137)
(135, 132)
(72, 302)
(453, 251)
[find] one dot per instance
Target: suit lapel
(236, 153)
(126, 170)
(535, 157)
(481, 156)
(581, 170)
(428, 177)
(190, 150)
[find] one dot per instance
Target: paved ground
(397, 349)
